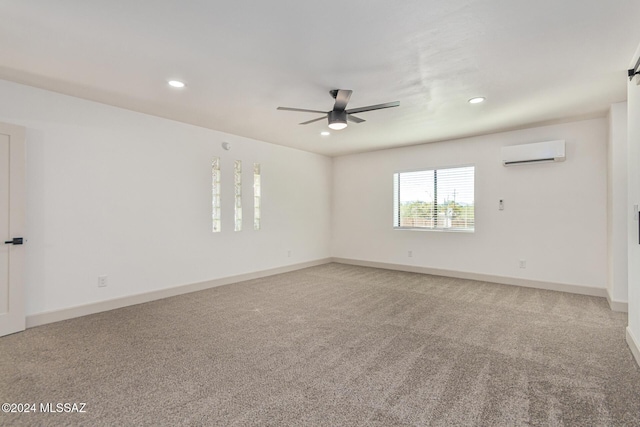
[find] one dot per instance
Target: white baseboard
(634, 346)
(100, 306)
(621, 306)
(562, 287)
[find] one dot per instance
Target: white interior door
(12, 188)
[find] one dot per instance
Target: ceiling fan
(339, 115)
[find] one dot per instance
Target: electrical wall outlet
(102, 281)
(410, 254)
(289, 253)
(523, 263)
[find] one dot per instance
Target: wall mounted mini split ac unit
(539, 152)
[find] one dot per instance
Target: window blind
(435, 199)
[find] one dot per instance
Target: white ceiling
(536, 62)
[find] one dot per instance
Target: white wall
(633, 111)
(554, 216)
(127, 195)
(617, 155)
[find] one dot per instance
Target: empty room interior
(264, 213)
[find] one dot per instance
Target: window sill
(438, 230)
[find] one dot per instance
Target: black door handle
(15, 241)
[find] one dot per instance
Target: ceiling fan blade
(314, 120)
(302, 110)
(373, 107)
(354, 119)
(342, 98)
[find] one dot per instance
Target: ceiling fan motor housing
(337, 116)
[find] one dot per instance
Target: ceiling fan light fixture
(337, 119)
(337, 125)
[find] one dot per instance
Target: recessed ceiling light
(176, 83)
(325, 133)
(477, 100)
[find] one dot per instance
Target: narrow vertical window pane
(256, 196)
(396, 199)
(215, 194)
(237, 172)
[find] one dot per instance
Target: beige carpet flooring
(333, 345)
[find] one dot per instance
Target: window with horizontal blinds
(438, 199)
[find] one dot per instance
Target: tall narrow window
(256, 196)
(237, 180)
(215, 194)
(441, 199)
